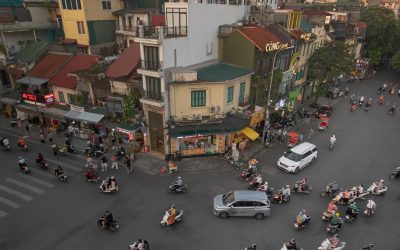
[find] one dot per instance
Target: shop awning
(251, 134)
(72, 114)
(130, 127)
(89, 117)
(6, 100)
(45, 111)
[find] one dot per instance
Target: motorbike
(372, 188)
(42, 164)
(4, 143)
(23, 147)
(269, 191)
(297, 189)
(173, 189)
(91, 176)
(394, 175)
(287, 246)
(245, 176)
(326, 216)
(331, 145)
(353, 108)
(111, 189)
(349, 219)
(279, 198)
(71, 149)
(178, 218)
(25, 168)
(332, 229)
(113, 226)
(368, 212)
(328, 191)
(326, 245)
(62, 178)
(297, 226)
(366, 107)
(253, 185)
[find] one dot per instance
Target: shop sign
(32, 98)
(272, 46)
(257, 117)
(305, 36)
(76, 108)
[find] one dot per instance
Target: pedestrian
(114, 161)
(280, 135)
(41, 137)
(113, 140)
(310, 134)
(50, 137)
(104, 164)
(307, 120)
(27, 128)
(301, 137)
(284, 135)
(128, 163)
(89, 162)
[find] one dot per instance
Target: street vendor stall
(84, 123)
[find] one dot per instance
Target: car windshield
(293, 156)
(228, 198)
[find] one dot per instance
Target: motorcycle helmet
(337, 214)
(382, 181)
(266, 183)
(292, 241)
(179, 177)
(287, 186)
(172, 205)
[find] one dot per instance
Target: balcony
(152, 65)
(153, 98)
(159, 32)
(21, 26)
(176, 31)
(127, 30)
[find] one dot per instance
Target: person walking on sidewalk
(41, 137)
(310, 134)
(114, 161)
(50, 137)
(104, 164)
(128, 163)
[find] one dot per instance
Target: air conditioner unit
(214, 108)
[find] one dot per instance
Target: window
(153, 88)
(242, 91)
(151, 58)
(61, 97)
(81, 27)
(198, 98)
(230, 94)
(106, 4)
(71, 98)
(71, 4)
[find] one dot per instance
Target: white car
(298, 157)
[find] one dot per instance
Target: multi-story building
(89, 25)
(28, 20)
(189, 37)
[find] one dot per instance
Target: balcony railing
(176, 31)
(153, 96)
(152, 65)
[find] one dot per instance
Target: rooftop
(126, 63)
(49, 65)
(221, 72)
(78, 62)
(31, 52)
(259, 36)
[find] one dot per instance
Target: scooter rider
(4, 142)
(397, 172)
(303, 184)
(359, 190)
(333, 187)
(178, 183)
(352, 210)
(371, 206)
(291, 245)
(361, 101)
(21, 142)
(336, 221)
(58, 171)
(303, 218)
(39, 158)
(286, 192)
(172, 215)
(258, 180)
(334, 241)
(369, 247)
(332, 140)
(108, 219)
(21, 161)
(379, 186)
(332, 208)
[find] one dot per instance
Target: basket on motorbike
(323, 124)
(293, 139)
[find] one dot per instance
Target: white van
(298, 157)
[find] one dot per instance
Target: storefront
(84, 124)
(206, 139)
(129, 132)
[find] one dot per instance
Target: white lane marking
(64, 165)
(36, 180)
(24, 185)
(9, 203)
(16, 193)
(3, 214)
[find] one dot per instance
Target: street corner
(202, 164)
(149, 164)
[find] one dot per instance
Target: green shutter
(242, 91)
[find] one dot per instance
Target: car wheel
(223, 215)
(297, 170)
(259, 216)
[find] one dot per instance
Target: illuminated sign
(272, 46)
(305, 36)
(32, 98)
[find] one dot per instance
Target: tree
(395, 61)
(375, 57)
(328, 62)
(131, 103)
(382, 32)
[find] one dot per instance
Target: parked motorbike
(297, 189)
(173, 189)
(326, 245)
(178, 218)
(112, 227)
(372, 189)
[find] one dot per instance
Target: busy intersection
(39, 212)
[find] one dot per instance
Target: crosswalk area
(20, 189)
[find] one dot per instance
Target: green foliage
(383, 30)
(395, 61)
(131, 103)
(80, 99)
(375, 57)
(328, 62)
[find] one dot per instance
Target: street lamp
(269, 93)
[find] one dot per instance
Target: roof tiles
(126, 63)
(258, 36)
(77, 63)
(48, 66)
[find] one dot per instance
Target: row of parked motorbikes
(291, 119)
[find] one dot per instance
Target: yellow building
(204, 106)
(89, 24)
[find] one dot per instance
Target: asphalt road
(47, 214)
